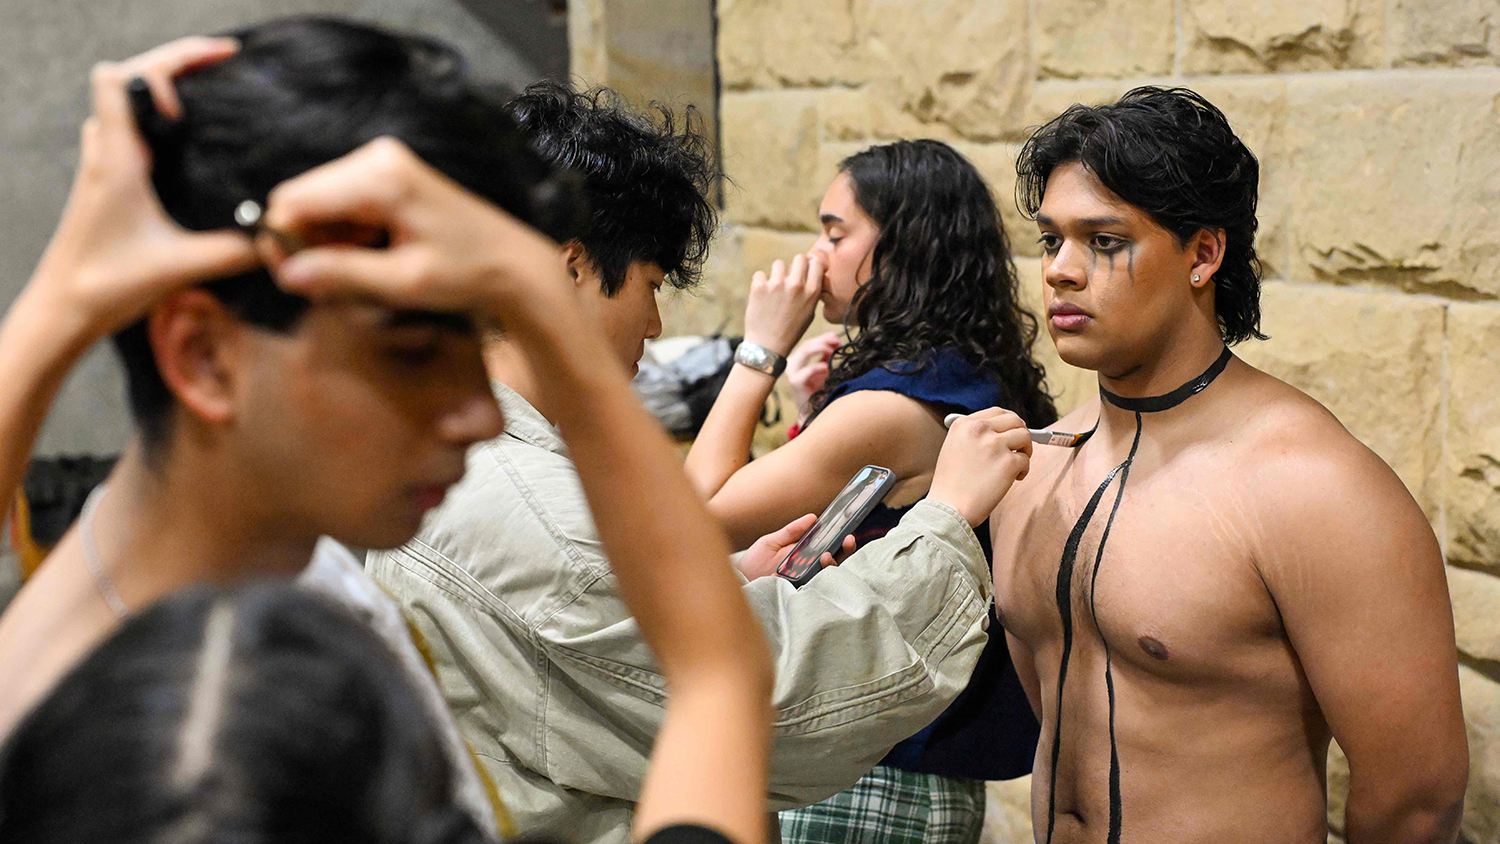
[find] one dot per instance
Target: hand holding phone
(863, 493)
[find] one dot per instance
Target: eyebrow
(408, 317)
(1086, 222)
(828, 219)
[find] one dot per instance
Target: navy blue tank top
(989, 731)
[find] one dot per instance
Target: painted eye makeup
(1107, 244)
(1050, 242)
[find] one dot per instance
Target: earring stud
(1195, 277)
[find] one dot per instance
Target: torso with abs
(1213, 721)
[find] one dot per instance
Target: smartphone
(850, 507)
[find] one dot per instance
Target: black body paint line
(1115, 802)
(1065, 609)
(1156, 404)
(1064, 592)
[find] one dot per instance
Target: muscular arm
(802, 476)
(1358, 578)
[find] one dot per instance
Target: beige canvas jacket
(559, 696)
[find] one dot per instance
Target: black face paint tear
(1064, 593)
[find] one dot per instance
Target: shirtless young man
(1221, 578)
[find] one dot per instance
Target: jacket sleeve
(866, 654)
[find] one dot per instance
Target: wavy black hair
(264, 715)
(1172, 154)
(646, 177)
(941, 276)
(303, 91)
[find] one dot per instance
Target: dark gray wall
(46, 49)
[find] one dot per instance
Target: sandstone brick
(1473, 465)
(1232, 36)
(1396, 180)
(786, 42)
(1476, 612)
(1447, 32)
(954, 63)
(1374, 360)
(1481, 697)
(770, 149)
(871, 113)
(1007, 812)
(1105, 38)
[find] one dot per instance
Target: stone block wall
(1377, 123)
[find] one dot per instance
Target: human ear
(1207, 247)
(580, 266)
(196, 343)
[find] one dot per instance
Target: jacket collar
(526, 423)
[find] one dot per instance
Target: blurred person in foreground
(268, 713)
(1221, 579)
(550, 677)
(339, 397)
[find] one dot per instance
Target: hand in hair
(114, 254)
(448, 248)
(116, 251)
(781, 305)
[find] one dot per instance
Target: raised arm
(779, 310)
(1358, 578)
(114, 253)
(449, 249)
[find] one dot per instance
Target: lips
(429, 496)
(1065, 316)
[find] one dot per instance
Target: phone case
(867, 489)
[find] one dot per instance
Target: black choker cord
(1065, 570)
(1167, 401)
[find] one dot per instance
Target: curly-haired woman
(914, 263)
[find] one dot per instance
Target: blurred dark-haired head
(918, 261)
(646, 178)
(1174, 156)
(263, 715)
(304, 91)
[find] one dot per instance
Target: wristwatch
(760, 359)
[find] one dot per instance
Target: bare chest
(1156, 564)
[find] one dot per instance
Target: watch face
(755, 355)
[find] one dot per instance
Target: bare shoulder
(887, 428)
(1298, 442)
(1323, 489)
(879, 409)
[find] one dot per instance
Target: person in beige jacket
(538, 654)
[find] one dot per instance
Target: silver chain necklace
(106, 586)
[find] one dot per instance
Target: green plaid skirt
(892, 806)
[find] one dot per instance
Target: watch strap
(760, 359)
